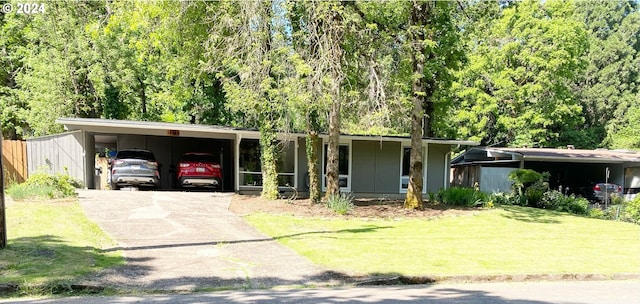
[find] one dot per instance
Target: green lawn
(505, 240)
(51, 242)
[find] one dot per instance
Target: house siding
(376, 167)
(436, 166)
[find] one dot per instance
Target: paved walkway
(189, 240)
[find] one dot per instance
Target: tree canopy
(520, 73)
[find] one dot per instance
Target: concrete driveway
(189, 240)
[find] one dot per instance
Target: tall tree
(516, 90)
(330, 32)
(12, 40)
(610, 84)
(247, 50)
(58, 59)
(309, 100)
(434, 47)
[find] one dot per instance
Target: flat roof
(549, 154)
(115, 126)
(571, 154)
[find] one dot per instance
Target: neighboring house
(369, 165)
(574, 169)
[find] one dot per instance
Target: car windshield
(202, 158)
(136, 155)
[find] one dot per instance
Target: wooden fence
(14, 160)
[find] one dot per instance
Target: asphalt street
(593, 292)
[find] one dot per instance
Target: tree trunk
(428, 116)
(333, 186)
(143, 97)
(413, 199)
(414, 192)
(313, 161)
(312, 143)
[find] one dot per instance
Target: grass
(502, 241)
(50, 243)
(23, 192)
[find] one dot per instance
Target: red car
(199, 170)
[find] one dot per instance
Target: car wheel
(114, 187)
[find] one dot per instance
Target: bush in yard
(596, 213)
(508, 199)
(530, 185)
(554, 200)
(44, 185)
(340, 204)
(525, 178)
(631, 211)
(462, 196)
(575, 205)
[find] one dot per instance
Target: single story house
(369, 165)
(573, 170)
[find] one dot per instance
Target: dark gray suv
(134, 168)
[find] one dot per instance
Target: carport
(167, 141)
(575, 169)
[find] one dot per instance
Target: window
(286, 164)
(250, 173)
(344, 167)
(250, 165)
(406, 161)
(405, 169)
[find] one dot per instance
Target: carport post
(3, 222)
(222, 168)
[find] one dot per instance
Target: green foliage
(340, 204)
(539, 198)
(513, 73)
(554, 200)
(462, 196)
(596, 213)
(268, 157)
(45, 186)
(523, 59)
(608, 88)
(529, 185)
(631, 211)
(500, 198)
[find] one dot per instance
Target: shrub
(44, 185)
(525, 178)
(596, 213)
(575, 205)
(631, 211)
(533, 196)
(340, 204)
(554, 200)
(462, 196)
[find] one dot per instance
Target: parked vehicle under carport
(134, 168)
(199, 170)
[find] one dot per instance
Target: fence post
(3, 223)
